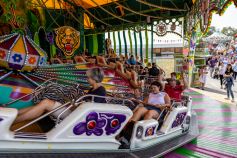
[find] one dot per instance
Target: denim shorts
(149, 107)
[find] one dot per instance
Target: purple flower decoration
(179, 119)
(92, 125)
(114, 122)
(17, 58)
(150, 131)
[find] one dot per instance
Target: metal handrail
(43, 116)
(69, 107)
(105, 97)
(187, 99)
(39, 88)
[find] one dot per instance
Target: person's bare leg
(151, 114)
(139, 113)
(36, 111)
(21, 111)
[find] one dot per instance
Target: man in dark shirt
(154, 71)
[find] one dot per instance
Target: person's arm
(167, 103)
(185, 86)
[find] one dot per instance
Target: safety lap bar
(43, 116)
(105, 97)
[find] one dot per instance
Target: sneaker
(227, 98)
(232, 100)
(221, 87)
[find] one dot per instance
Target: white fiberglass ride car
(93, 128)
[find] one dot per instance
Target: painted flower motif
(17, 58)
(2, 54)
(32, 60)
(92, 125)
(114, 122)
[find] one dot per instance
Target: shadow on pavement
(214, 91)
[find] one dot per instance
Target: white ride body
(68, 135)
(166, 132)
(62, 136)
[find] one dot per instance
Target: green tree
(229, 31)
(211, 30)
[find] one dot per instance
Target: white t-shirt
(158, 98)
(222, 70)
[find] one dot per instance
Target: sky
(229, 18)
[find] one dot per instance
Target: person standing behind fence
(229, 82)
(222, 72)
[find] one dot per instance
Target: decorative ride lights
(169, 26)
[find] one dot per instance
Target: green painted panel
(120, 47)
(114, 41)
(141, 45)
(146, 37)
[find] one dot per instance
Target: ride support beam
(125, 43)
(140, 36)
(130, 41)
(135, 41)
(120, 47)
(152, 42)
(114, 39)
(146, 37)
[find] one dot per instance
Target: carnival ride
(94, 127)
(91, 125)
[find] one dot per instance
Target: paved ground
(214, 91)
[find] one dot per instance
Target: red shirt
(174, 92)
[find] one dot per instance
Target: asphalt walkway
(214, 91)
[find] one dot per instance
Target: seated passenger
(153, 104)
(56, 61)
(131, 60)
(101, 62)
(79, 59)
(175, 91)
(95, 76)
(173, 75)
(154, 71)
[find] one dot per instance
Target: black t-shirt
(228, 72)
(99, 91)
(154, 71)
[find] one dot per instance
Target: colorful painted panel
(99, 124)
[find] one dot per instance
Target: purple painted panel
(98, 123)
(114, 122)
(150, 131)
(179, 119)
